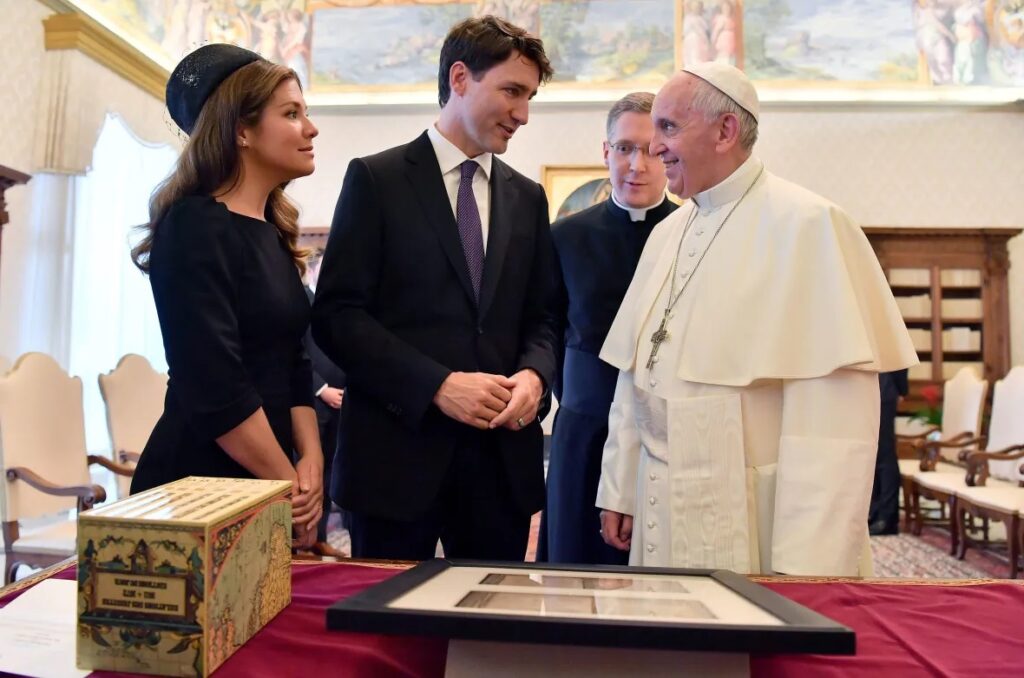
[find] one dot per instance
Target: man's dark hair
(483, 42)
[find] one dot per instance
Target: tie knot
(469, 169)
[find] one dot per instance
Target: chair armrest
(119, 469)
(917, 436)
(977, 463)
(125, 456)
(930, 450)
(88, 495)
(978, 443)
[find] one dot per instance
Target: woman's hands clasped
(307, 499)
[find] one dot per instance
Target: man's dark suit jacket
(395, 309)
(325, 373)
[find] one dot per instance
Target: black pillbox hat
(196, 77)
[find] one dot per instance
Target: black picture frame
(802, 631)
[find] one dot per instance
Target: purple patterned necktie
(467, 214)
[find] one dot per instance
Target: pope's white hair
(712, 102)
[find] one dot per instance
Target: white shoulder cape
(790, 289)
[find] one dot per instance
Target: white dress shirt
(449, 160)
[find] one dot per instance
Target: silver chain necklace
(661, 334)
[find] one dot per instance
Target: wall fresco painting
(607, 47)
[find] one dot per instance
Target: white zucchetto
(731, 81)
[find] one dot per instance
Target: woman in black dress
(221, 252)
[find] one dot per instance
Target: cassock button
(653, 476)
(651, 524)
(651, 548)
(655, 359)
(653, 382)
(700, 231)
(692, 252)
(684, 274)
(653, 500)
(479, 330)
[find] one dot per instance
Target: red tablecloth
(903, 629)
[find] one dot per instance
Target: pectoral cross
(657, 338)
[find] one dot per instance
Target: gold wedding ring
(522, 424)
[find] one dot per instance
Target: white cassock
(750, 444)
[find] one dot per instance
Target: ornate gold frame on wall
(561, 181)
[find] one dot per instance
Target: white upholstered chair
(962, 406)
(45, 462)
(133, 393)
(994, 484)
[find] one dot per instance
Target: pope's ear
(728, 132)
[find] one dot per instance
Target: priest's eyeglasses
(626, 150)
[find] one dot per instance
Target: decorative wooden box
(173, 580)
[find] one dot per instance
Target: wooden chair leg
(916, 522)
(962, 518)
(908, 518)
(1013, 536)
(954, 521)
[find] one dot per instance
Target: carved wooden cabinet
(951, 286)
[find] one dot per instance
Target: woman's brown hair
(210, 158)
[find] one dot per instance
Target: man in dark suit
(884, 514)
(435, 298)
(329, 389)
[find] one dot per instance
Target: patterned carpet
(906, 556)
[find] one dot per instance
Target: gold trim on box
(75, 30)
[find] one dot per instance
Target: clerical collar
(731, 188)
(636, 213)
(450, 156)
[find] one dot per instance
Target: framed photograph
(571, 188)
(641, 608)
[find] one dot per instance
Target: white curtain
(38, 299)
(112, 311)
(76, 93)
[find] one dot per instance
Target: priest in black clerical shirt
(598, 250)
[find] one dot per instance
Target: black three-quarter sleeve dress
(232, 311)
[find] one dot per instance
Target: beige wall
(887, 166)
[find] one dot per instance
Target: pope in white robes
(744, 426)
